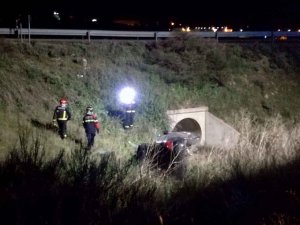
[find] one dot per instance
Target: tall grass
(45, 180)
(168, 74)
(249, 184)
(72, 187)
(257, 182)
(260, 146)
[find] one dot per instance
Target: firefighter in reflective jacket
(91, 126)
(62, 115)
(128, 119)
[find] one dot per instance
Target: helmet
(63, 101)
(89, 109)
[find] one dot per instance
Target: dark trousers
(90, 138)
(62, 128)
(128, 119)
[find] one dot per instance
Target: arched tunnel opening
(189, 125)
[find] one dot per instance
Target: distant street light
(56, 15)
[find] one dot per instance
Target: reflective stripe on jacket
(61, 113)
(90, 123)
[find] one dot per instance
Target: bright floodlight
(127, 95)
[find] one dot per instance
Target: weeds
(258, 177)
(182, 72)
(233, 186)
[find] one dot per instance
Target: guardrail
(88, 34)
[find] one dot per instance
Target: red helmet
(63, 101)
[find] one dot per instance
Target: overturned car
(169, 152)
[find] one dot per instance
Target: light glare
(127, 95)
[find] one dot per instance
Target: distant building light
(241, 30)
(226, 29)
(56, 15)
(289, 30)
(94, 20)
(172, 23)
(278, 30)
(185, 29)
(298, 30)
(282, 38)
(265, 36)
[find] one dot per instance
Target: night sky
(256, 14)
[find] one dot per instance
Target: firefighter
(129, 113)
(91, 126)
(127, 99)
(62, 115)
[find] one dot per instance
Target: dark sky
(231, 12)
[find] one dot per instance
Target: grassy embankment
(257, 182)
(169, 74)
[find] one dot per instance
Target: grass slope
(44, 180)
(169, 74)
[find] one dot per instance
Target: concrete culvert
(212, 130)
(192, 126)
(189, 125)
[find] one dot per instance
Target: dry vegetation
(257, 182)
(48, 181)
